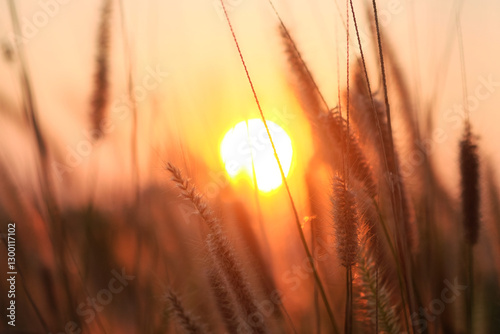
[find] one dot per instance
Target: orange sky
(206, 93)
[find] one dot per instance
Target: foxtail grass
(359, 168)
(220, 249)
(470, 192)
(469, 172)
(331, 127)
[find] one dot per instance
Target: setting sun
(232, 166)
(247, 146)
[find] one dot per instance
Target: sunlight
(247, 144)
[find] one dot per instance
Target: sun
(246, 147)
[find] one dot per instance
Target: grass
(389, 253)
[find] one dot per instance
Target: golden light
(247, 146)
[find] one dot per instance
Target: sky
(201, 89)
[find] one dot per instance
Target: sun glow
(246, 147)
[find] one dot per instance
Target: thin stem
(315, 294)
(382, 68)
(463, 72)
(396, 192)
(376, 293)
(469, 303)
(257, 201)
(381, 141)
(348, 301)
(313, 207)
(346, 167)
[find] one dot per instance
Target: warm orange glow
(247, 146)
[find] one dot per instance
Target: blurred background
(203, 91)
(190, 88)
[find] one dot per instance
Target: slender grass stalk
(382, 68)
(369, 89)
(315, 230)
(408, 234)
(339, 106)
(31, 114)
(395, 184)
(260, 217)
(337, 59)
(294, 209)
(317, 312)
(29, 106)
(348, 96)
(376, 294)
(348, 268)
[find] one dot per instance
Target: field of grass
(357, 231)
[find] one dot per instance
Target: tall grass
(378, 256)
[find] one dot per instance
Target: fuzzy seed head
(346, 221)
(469, 171)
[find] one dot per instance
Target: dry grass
(177, 260)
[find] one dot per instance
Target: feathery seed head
(346, 221)
(189, 192)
